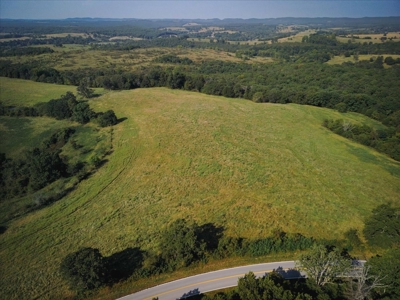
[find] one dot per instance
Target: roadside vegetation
(234, 142)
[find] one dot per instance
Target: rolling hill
(251, 168)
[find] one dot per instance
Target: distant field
(175, 28)
(125, 38)
(374, 38)
(341, 59)
(251, 42)
(27, 93)
(14, 39)
(74, 34)
(297, 37)
(73, 57)
(291, 28)
(251, 168)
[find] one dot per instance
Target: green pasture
(27, 93)
(251, 168)
(21, 134)
(297, 38)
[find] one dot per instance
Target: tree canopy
(323, 264)
(382, 228)
(84, 269)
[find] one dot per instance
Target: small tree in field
(84, 269)
(323, 265)
(84, 90)
(107, 119)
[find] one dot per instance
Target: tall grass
(251, 168)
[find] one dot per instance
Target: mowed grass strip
(251, 168)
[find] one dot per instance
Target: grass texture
(251, 168)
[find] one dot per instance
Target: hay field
(252, 168)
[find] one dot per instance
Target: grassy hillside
(27, 93)
(20, 134)
(252, 168)
(15, 92)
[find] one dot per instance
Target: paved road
(189, 286)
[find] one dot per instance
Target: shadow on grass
(3, 229)
(120, 120)
(365, 156)
(123, 264)
(211, 234)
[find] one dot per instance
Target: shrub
(84, 269)
(107, 119)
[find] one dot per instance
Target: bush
(180, 245)
(107, 119)
(383, 226)
(84, 269)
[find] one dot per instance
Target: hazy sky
(60, 9)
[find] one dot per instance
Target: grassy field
(337, 60)
(20, 134)
(297, 38)
(374, 38)
(72, 58)
(27, 93)
(251, 168)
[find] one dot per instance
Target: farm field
(341, 59)
(251, 168)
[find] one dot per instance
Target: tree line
(365, 87)
(13, 51)
(38, 167)
(184, 243)
(383, 140)
(66, 107)
(180, 245)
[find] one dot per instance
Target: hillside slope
(252, 168)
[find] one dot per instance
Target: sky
(202, 9)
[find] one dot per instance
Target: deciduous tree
(84, 269)
(323, 264)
